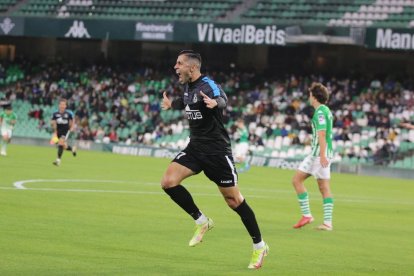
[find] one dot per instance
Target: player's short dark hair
(191, 54)
(320, 92)
(63, 100)
(7, 106)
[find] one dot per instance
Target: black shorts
(61, 134)
(218, 168)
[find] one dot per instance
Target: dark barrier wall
(144, 30)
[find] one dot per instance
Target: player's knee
(233, 202)
(325, 190)
(296, 181)
(168, 182)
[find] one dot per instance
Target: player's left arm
(213, 101)
(71, 122)
(71, 125)
(322, 145)
(13, 122)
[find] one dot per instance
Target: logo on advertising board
(154, 31)
(389, 39)
(244, 34)
(78, 30)
(7, 25)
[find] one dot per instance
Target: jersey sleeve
(70, 112)
(211, 89)
(215, 91)
(54, 116)
(320, 120)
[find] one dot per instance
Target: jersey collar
(196, 82)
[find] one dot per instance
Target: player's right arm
(54, 125)
(175, 104)
(407, 125)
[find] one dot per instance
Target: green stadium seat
(162, 10)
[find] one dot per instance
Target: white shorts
(241, 150)
(6, 132)
(312, 165)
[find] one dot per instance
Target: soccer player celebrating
(7, 121)
(319, 161)
(209, 150)
(62, 123)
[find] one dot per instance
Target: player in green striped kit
(7, 121)
(318, 162)
(242, 147)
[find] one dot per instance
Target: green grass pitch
(105, 214)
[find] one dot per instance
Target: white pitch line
(20, 186)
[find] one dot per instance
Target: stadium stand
(159, 10)
(363, 13)
(5, 5)
(123, 106)
(389, 13)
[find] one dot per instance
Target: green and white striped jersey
(322, 120)
(7, 120)
(243, 134)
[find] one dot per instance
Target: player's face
(62, 106)
(8, 111)
(183, 69)
(311, 98)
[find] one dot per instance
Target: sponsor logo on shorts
(226, 181)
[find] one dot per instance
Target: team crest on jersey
(195, 98)
(321, 119)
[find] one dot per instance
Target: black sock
(249, 220)
(60, 151)
(69, 148)
(183, 198)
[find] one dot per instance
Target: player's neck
(316, 105)
(195, 77)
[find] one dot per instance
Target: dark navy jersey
(207, 132)
(62, 121)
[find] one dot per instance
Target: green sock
(328, 205)
(303, 199)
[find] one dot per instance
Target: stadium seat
(162, 10)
